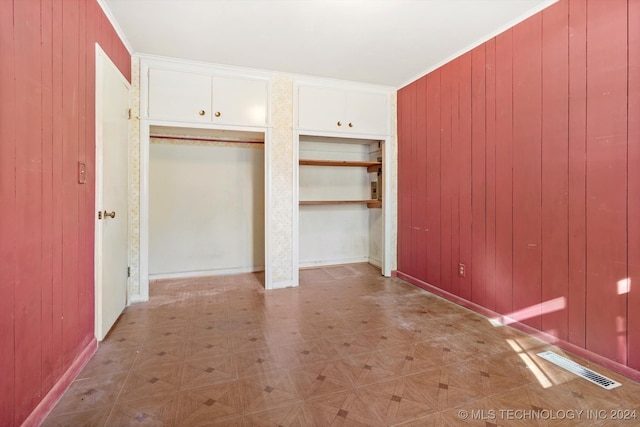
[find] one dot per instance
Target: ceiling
(387, 42)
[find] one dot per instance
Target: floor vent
(579, 370)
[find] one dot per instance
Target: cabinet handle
(339, 123)
(350, 125)
(201, 112)
(218, 114)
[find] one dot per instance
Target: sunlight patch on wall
(546, 307)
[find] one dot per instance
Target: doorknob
(111, 214)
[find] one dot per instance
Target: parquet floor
(346, 348)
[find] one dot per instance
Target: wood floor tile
(351, 405)
(91, 393)
(348, 347)
(207, 371)
(109, 362)
(294, 415)
(267, 391)
(95, 417)
(220, 403)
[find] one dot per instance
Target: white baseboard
(282, 285)
(203, 273)
(321, 263)
(375, 262)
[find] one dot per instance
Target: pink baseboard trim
(47, 404)
(572, 348)
(394, 273)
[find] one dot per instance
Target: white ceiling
(388, 42)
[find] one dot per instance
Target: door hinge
(128, 271)
(129, 114)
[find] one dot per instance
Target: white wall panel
(206, 208)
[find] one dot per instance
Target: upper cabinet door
(344, 111)
(239, 101)
(321, 108)
(367, 112)
(179, 96)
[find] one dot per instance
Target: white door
(112, 155)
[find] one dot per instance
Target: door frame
(102, 58)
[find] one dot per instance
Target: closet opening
(340, 194)
(206, 212)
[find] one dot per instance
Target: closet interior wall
(206, 204)
(338, 233)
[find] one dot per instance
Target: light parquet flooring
(346, 348)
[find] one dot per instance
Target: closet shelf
(371, 166)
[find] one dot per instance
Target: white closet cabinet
(180, 96)
(344, 111)
(204, 98)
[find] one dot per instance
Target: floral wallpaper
(281, 209)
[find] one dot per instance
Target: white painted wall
(206, 208)
(335, 234)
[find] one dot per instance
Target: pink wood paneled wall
(521, 160)
(47, 109)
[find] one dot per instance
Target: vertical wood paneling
(407, 166)
(70, 193)
(555, 164)
(633, 180)
(504, 173)
(527, 75)
(105, 38)
(478, 174)
(577, 167)
(490, 162)
(84, 311)
(541, 169)
(46, 133)
(46, 249)
(414, 183)
(432, 223)
(9, 215)
(58, 186)
(88, 212)
(420, 208)
(464, 155)
(404, 181)
(446, 178)
(28, 193)
(606, 178)
(454, 170)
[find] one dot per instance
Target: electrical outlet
(461, 270)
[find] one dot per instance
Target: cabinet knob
(218, 114)
(339, 123)
(350, 125)
(201, 112)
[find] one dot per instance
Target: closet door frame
(145, 135)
